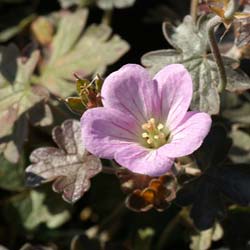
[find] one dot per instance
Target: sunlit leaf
(30, 209)
(238, 115)
(43, 30)
(70, 3)
(144, 239)
(70, 166)
(109, 4)
(40, 213)
(190, 43)
(73, 52)
(240, 151)
(204, 239)
(28, 246)
(17, 98)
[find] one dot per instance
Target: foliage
(54, 58)
(190, 42)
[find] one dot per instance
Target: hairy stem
(211, 25)
(194, 9)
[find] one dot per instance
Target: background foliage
(43, 43)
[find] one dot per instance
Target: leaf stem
(211, 25)
(194, 9)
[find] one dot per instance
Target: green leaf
(70, 3)
(239, 115)
(40, 213)
(190, 42)
(17, 98)
(144, 239)
(10, 32)
(28, 246)
(188, 38)
(72, 52)
(75, 104)
(30, 209)
(12, 175)
(204, 239)
(240, 152)
(110, 4)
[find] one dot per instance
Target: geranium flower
(144, 123)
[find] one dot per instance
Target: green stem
(194, 9)
(211, 25)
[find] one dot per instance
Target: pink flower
(144, 123)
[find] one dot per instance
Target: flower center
(155, 135)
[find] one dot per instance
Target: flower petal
(143, 161)
(132, 91)
(175, 89)
(188, 135)
(104, 131)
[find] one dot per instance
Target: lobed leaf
(17, 98)
(70, 166)
(190, 43)
(73, 52)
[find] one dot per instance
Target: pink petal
(132, 91)
(104, 131)
(175, 89)
(188, 135)
(143, 161)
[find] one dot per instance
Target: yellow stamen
(155, 134)
(149, 141)
(160, 126)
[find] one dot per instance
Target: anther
(160, 126)
(149, 141)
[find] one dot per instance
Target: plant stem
(107, 17)
(194, 9)
(108, 170)
(211, 25)
(166, 234)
